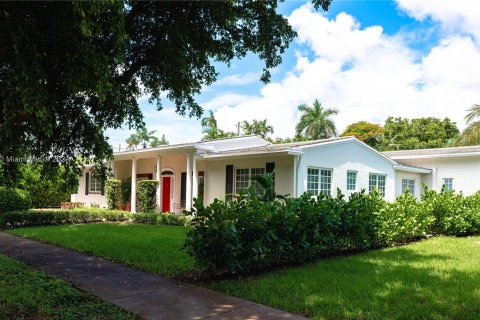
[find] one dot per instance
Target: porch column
(188, 200)
(159, 188)
(295, 165)
(112, 167)
(195, 179)
(133, 199)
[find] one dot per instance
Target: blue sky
(368, 59)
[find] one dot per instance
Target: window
(448, 183)
(319, 181)
(95, 184)
(408, 184)
(351, 180)
(243, 178)
(377, 181)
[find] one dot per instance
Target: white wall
(341, 157)
(215, 174)
(91, 198)
(418, 177)
(465, 172)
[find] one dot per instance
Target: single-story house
(223, 167)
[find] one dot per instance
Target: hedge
(252, 234)
(162, 218)
(55, 217)
(14, 199)
(147, 195)
(113, 192)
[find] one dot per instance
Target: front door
(166, 183)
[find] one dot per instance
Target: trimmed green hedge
(14, 199)
(147, 195)
(54, 217)
(252, 234)
(162, 218)
(113, 192)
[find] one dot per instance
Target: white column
(133, 199)
(159, 179)
(112, 167)
(295, 165)
(188, 199)
(195, 179)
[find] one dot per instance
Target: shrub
(126, 188)
(55, 217)
(113, 191)
(14, 199)
(147, 195)
(162, 218)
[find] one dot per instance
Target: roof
(275, 148)
(432, 153)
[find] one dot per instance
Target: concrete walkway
(148, 295)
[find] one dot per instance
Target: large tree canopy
(70, 70)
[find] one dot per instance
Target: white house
(223, 167)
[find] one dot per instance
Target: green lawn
(432, 279)
(29, 294)
(154, 248)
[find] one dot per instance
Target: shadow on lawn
(392, 284)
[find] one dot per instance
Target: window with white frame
(351, 180)
(95, 184)
(408, 184)
(243, 178)
(377, 181)
(448, 183)
(319, 181)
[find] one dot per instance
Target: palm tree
(145, 136)
(257, 127)
(471, 135)
(315, 122)
(133, 141)
(209, 121)
(155, 142)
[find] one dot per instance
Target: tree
(155, 142)
(370, 133)
(71, 70)
(210, 129)
(315, 122)
(133, 141)
(257, 127)
(471, 135)
(420, 133)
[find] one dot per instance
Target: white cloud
(366, 75)
(239, 79)
(460, 16)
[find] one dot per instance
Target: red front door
(166, 182)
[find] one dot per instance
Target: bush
(126, 188)
(113, 191)
(257, 232)
(162, 218)
(147, 195)
(55, 217)
(14, 199)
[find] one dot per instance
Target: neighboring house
(223, 167)
(457, 168)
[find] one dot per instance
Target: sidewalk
(148, 295)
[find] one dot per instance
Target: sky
(367, 59)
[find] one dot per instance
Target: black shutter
(102, 188)
(87, 180)
(269, 167)
(228, 181)
(183, 190)
(150, 176)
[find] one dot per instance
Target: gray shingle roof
(432, 152)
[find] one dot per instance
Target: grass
(29, 294)
(436, 279)
(433, 279)
(154, 248)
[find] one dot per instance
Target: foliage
(262, 230)
(13, 200)
(162, 218)
(257, 127)
(419, 133)
(72, 70)
(370, 133)
(144, 137)
(156, 142)
(147, 195)
(29, 218)
(126, 190)
(26, 293)
(315, 122)
(210, 128)
(113, 192)
(471, 135)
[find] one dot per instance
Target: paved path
(148, 295)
